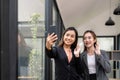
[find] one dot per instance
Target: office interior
(25, 24)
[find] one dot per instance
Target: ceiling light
(110, 22)
(117, 11)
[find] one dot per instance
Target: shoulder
(56, 48)
(84, 53)
(103, 52)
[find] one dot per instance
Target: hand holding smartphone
(51, 30)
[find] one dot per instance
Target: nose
(86, 39)
(69, 37)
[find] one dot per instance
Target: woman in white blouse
(94, 61)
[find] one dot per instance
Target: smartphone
(52, 29)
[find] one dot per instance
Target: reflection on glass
(23, 56)
(119, 42)
(54, 16)
(31, 39)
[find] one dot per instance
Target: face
(89, 40)
(69, 38)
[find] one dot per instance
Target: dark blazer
(63, 69)
(102, 66)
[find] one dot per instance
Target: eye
(84, 38)
(67, 34)
(73, 36)
(89, 37)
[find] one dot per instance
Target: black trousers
(93, 77)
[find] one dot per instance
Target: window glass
(106, 43)
(119, 42)
(31, 29)
(54, 15)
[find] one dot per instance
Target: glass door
(118, 42)
(31, 29)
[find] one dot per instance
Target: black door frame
(8, 20)
(49, 5)
(48, 22)
(9, 31)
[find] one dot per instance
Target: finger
(53, 34)
(48, 35)
(53, 40)
(78, 47)
(75, 49)
(54, 37)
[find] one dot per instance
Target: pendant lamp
(117, 10)
(110, 22)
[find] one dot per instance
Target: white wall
(27, 8)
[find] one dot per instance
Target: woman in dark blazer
(65, 54)
(94, 61)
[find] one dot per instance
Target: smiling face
(89, 39)
(69, 37)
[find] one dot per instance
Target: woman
(23, 56)
(65, 54)
(94, 61)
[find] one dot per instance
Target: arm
(104, 61)
(51, 53)
(78, 60)
(49, 50)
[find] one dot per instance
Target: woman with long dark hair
(65, 54)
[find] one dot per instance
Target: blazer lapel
(85, 58)
(64, 55)
(97, 65)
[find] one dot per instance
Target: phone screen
(52, 29)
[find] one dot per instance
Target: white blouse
(91, 64)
